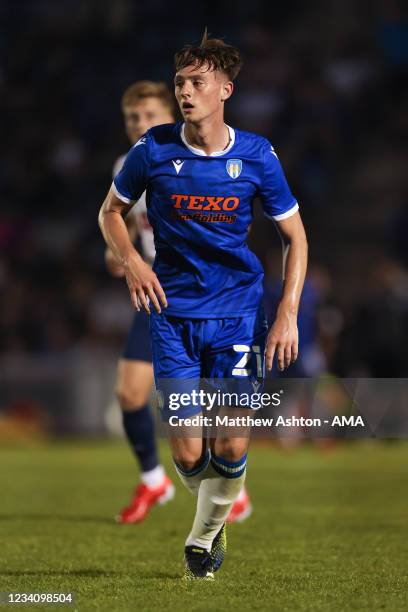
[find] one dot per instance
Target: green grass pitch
(329, 532)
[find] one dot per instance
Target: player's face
(201, 92)
(143, 115)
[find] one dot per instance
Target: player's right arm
(126, 189)
(112, 263)
(141, 279)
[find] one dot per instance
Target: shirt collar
(200, 151)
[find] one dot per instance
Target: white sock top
(154, 478)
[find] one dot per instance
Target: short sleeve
(131, 181)
(277, 200)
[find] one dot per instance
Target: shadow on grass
(86, 572)
(92, 573)
(159, 576)
(70, 518)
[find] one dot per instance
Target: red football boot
(144, 499)
(241, 508)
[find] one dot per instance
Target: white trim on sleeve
(120, 196)
(286, 214)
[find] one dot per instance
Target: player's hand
(114, 266)
(283, 340)
(143, 284)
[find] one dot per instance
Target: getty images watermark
(325, 406)
(255, 401)
(207, 401)
(203, 408)
(211, 401)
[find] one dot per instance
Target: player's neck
(208, 135)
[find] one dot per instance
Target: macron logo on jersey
(178, 164)
(274, 152)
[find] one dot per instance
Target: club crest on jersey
(234, 168)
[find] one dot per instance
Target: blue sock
(139, 428)
(229, 469)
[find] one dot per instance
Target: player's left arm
(280, 205)
(283, 336)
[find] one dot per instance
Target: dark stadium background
(325, 81)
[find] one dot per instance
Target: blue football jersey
(200, 207)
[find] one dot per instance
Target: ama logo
(234, 168)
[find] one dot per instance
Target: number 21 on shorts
(244, 366)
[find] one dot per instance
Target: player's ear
(226, 91)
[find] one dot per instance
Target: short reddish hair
(148, 89)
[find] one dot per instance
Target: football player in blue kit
(205, 290)
(145, 104)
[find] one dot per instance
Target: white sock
(192, 479)
(216, 496)
(242, 495)
(153, 478)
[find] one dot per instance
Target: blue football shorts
(219, 351)
(137, 346)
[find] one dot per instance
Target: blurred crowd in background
(325, 81)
